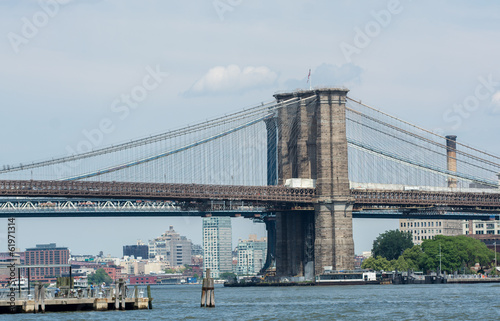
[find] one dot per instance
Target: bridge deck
(270, 196)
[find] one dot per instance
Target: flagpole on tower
(309, 79)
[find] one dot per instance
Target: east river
(362, 302)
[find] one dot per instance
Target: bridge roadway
(248, 201)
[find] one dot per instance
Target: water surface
(361, 302)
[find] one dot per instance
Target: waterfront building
(217, 245)
(142, 279)
(133, 266)
(114, 271)
(492, 241)
(171, 247)
(481, 227)
(156, 267)
(45, 254)
(251, 255)
(427, 229)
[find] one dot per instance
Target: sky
(65, 63)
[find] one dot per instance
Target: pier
(84, 299)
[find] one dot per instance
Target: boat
(347, 278)
(16, 282)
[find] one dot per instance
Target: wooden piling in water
(117, 292)
(203, 292)
(207, 291)
(42, 296)
(123, 293)
(150, 298)
(211, 294)
(35, 298)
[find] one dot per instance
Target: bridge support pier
(313, 145)
(334, 245)
(271, 244)
(295, 244)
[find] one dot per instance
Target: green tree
(170, 271)
(100, 276)
(377, 264)
(413, 256)
(401, 264)
(391, 244)
(456, 252)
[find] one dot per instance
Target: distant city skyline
(190, 227)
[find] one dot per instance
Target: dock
(473, 280)
(42, 300)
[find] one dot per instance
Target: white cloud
(496, 102)
(232, 78)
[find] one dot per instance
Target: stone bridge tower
(312, 144)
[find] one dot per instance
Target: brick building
(47, 254)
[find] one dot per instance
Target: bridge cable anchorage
(422, 129)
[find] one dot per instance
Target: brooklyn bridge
(304, 163)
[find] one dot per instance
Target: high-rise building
(171, 247)
(47, 254)
(251, 255)
(197, 249)
(427, 229)
(138, 251)
(217, 245)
